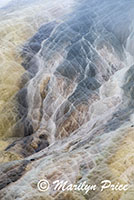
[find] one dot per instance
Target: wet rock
(11, 174)
(75, 110)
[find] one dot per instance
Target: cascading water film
(66, 100)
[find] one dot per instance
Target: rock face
(73, 117)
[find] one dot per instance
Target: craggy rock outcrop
(73, 115)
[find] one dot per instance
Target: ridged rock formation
(66, 104)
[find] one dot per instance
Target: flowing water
(66, 103)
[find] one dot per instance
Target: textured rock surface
(70, 116)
